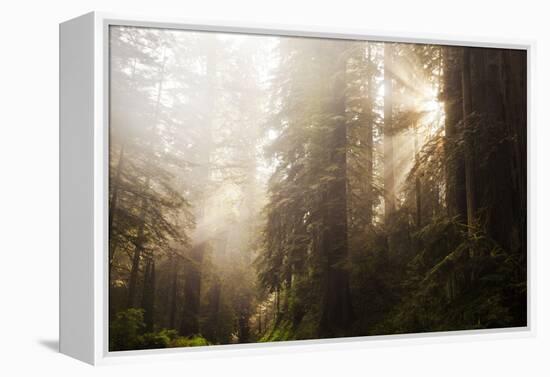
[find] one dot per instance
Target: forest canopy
(266, 188)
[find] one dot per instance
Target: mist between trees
(267, 188)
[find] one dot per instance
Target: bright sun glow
(432, 105)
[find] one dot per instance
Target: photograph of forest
(268, 188)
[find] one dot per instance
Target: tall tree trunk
(277, 304)
(174, 294)
(193, 263)
(115, 186)
(515, 93)
(389, 176)
(515, 84)
(369, 140)
(140, 239)
(214, 310)
(337, 315)
(244, 329)
(145, 204)
(469, 156)
(148, 298)
(454, 169)
(469, 146)
(418, 182)
(260, 322)
(192, 291)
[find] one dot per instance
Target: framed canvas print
(224, 186)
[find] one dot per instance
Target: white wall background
(29, 185)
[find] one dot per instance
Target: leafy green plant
(183, 341)
(126, 329)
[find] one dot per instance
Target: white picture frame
(84, 186)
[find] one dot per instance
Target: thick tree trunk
(193, 263)
(148, 298)
(214, 315)
(192, 291)
(337, 316)
(500, 184)
(244, 329)
(514, 85)
(132, 283)
(455, 176)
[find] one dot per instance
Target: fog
(249, 172)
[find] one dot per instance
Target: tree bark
(469, 146)
(174, 294)
(214, 315)
(260, 322)
(515, 94)
(337, 316)
(193, 263)
(389, 176)
(148, 298)
(192, 291)
(369, 142)
(454, 169)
